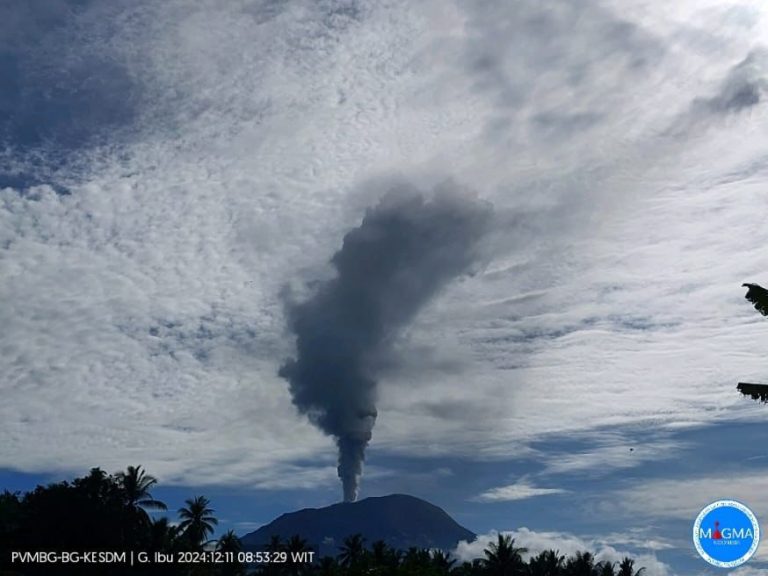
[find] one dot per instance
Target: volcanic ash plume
(406, 249)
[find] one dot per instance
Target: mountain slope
(400, 520)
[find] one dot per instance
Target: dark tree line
(101, 512)
(104, 512)
(501, 558)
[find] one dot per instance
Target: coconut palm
(627, 568)
(275, 544)
(416, 560)
(546, 563)
(135, 485)
(503, 558)
(605, 568)
(296, 544)
(352, 551)
(96, 486)
(384, 559)
(327, 567)
(442, 563)
(380, 552)
(582, 564)
(295, 547)
(229, 542)
(163, 537)
(477, 566)
(197, 520)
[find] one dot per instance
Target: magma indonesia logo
(726, 533)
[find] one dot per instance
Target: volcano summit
(399, 520)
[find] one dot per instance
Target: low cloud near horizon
(567, 545)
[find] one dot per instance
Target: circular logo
(726, 533)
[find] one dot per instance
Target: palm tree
(380, 552)
(163, 537)
(352, 551)
(295, 547)
(416, 560)
(605, 568)
(626, 568)
(477, 566)
(230, 543)
(503, 558)
(547, 563)
(442, 562)
(582, 564)
(384, 558)
(327, 567)
(275, 544)
(296, 544)
(11, 515)
(135, 485)
(197, 520)
(96, 486)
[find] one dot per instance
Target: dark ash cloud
(404, 252)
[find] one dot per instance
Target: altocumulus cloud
(222, 150)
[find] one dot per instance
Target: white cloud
(566, 544)
(749, 571)
(141, 314)
(606, 451)
(518, 491)
(684, 498)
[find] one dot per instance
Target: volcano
(399, 520)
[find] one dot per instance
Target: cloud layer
(198, 157)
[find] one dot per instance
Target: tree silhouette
(106, 512)
(384, 559)
(327, 567)
(416, 561)
(230, 543)
(475, 567)
(380, 552)
(442, 563)
(163, 537)
(275, 544)
(352, 551)
(759, 298)
(605, 568)
(296, 546)
(626, 568)
(546, 563)
(135, 484)
(582, 564)
(11, 515)
(503, 558)
(197, 520)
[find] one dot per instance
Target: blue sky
(170, 171)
